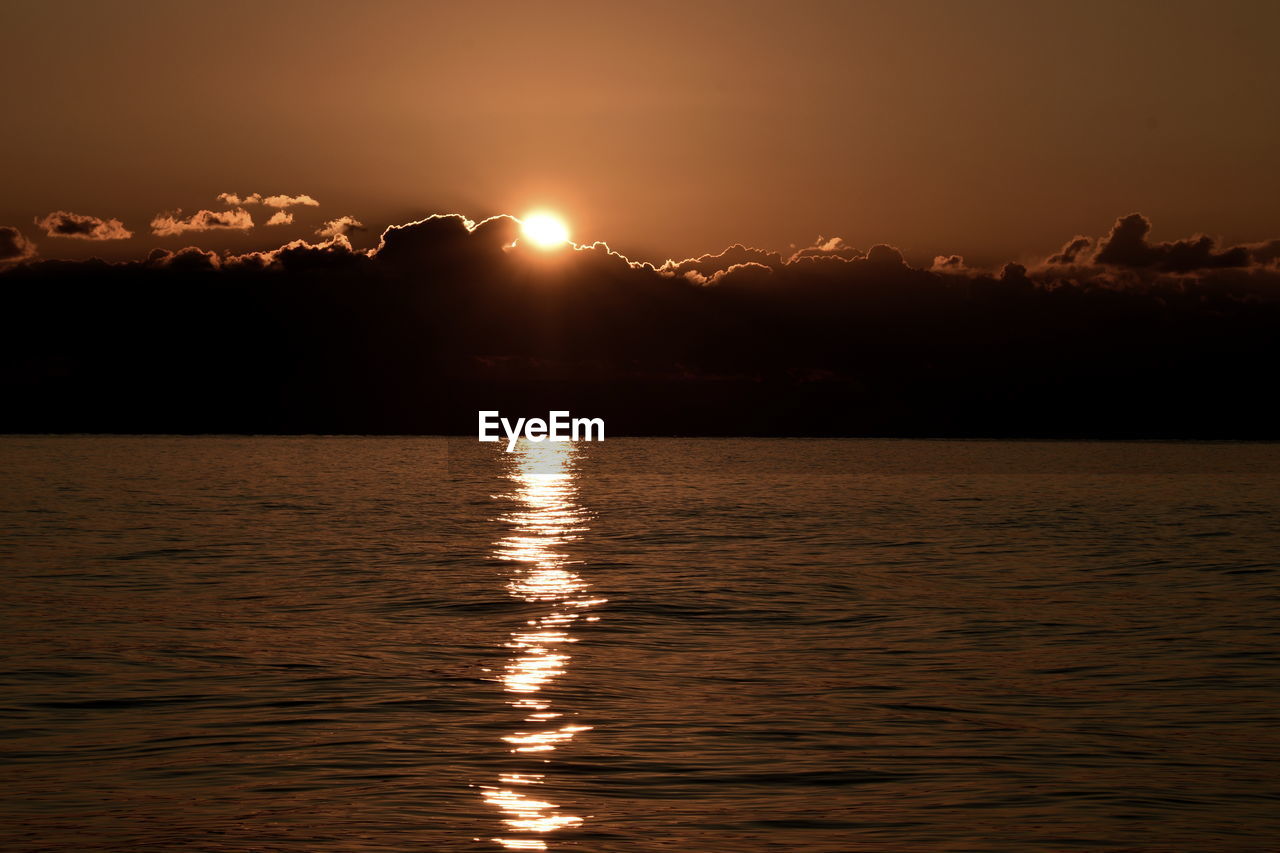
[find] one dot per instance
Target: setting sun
(545, 230)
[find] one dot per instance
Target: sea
(393, 644)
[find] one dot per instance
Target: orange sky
(995, 130)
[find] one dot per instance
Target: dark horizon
(1114, 336)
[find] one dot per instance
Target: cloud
(290, 201)
(281, 217)
(278, 201)
(1265, 253)
(341, 226)
(171, 224)
(61, 223)
(1127, 246)
(828, 247)
(709, 268)
(706, 266)
(233, 200)
(334, 254)
(948, 263)
(444, 239)
(190, 259)
(14, 247)
(1014, 273)
(884, 255)
(1071, 251)
(744, 274)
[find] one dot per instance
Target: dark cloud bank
(1117, 337)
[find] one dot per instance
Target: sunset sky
(993, 130)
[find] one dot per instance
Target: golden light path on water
(547, 519)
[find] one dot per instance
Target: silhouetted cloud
(14, 247)
(1265, 253)
(170, 224)
(444, 239)
(190, 259)
(341, 226)
(708, 269)
(281, 217)
(1127, 246)
(1071, 251)
(884, 255)
(742, 275)
(1016, 274)
(335, 253)
(62, 223)
(233, 200)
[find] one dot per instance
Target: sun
(544, 230)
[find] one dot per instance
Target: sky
(990, 129)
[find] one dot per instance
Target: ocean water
(729, 646)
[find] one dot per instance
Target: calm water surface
(415, 644)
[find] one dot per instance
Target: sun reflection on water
(548, 519)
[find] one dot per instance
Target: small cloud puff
(281, 217)
(340, 227)
(948, 263)
(828, 247)
(62, 223)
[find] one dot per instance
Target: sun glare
(544, 230)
